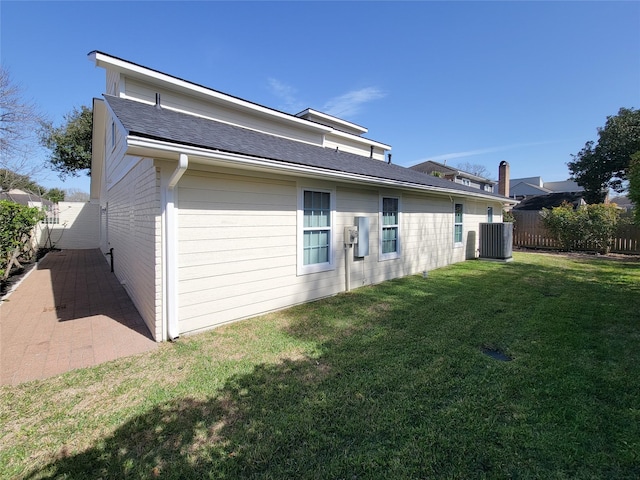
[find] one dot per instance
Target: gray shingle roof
(149, 121)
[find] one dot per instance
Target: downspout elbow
(183, 163)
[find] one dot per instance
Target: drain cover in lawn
(497, 354)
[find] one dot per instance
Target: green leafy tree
(634, 186)
(10, 180)
(70, 144)
(604, 165)
(55, 195)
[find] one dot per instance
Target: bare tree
(19, 122)
(76, 195)
(475, 169)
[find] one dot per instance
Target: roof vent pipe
(158, 105)
(388, 158)
(371, 154)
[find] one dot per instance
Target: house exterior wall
(238, 252)
(237, 247)
(134, 225)
(113, 83)
(352, 146)
(239, 229)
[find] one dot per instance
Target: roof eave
(143, 146)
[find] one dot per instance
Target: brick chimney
(503, 178)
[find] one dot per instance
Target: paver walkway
(69, 312)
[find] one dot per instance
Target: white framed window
(52, 214)
(389, 228)
(490, 214)
(457, 224)
(316, 209)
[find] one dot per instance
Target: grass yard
(385, 382)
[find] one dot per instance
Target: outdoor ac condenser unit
(496, 241)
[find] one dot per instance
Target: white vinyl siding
(389, 227)
(237, 247)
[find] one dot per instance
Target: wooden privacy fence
(529, 232)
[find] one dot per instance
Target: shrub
(589, 226)
(602, 221)
(16, 227)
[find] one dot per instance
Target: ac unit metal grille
(496, 241)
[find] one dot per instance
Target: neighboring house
(25, 198)
(28, 199)
(520, 188)
(219, 209)
(623, 202)
(32, 200)
(455, 175)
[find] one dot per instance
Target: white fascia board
(98, 152)
(154, 148)
(331, 118)
(153, 76)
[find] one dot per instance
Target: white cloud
(482, 151)
(350, 103)
(287, 94)
(342, 106)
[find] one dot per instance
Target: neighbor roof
(550, 200)
(23, 198)
(149, 121)
(429, 167)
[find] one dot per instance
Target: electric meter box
(361, 249)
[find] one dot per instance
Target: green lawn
(385, 382)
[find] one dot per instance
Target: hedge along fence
(17, 224)
(529, 232)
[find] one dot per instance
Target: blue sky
(477, 82)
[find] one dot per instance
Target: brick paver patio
(69, 312)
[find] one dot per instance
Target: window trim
(490, 214)
(461, 224)
(381, 226)
(303, 269)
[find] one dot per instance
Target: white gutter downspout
(171, 250)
